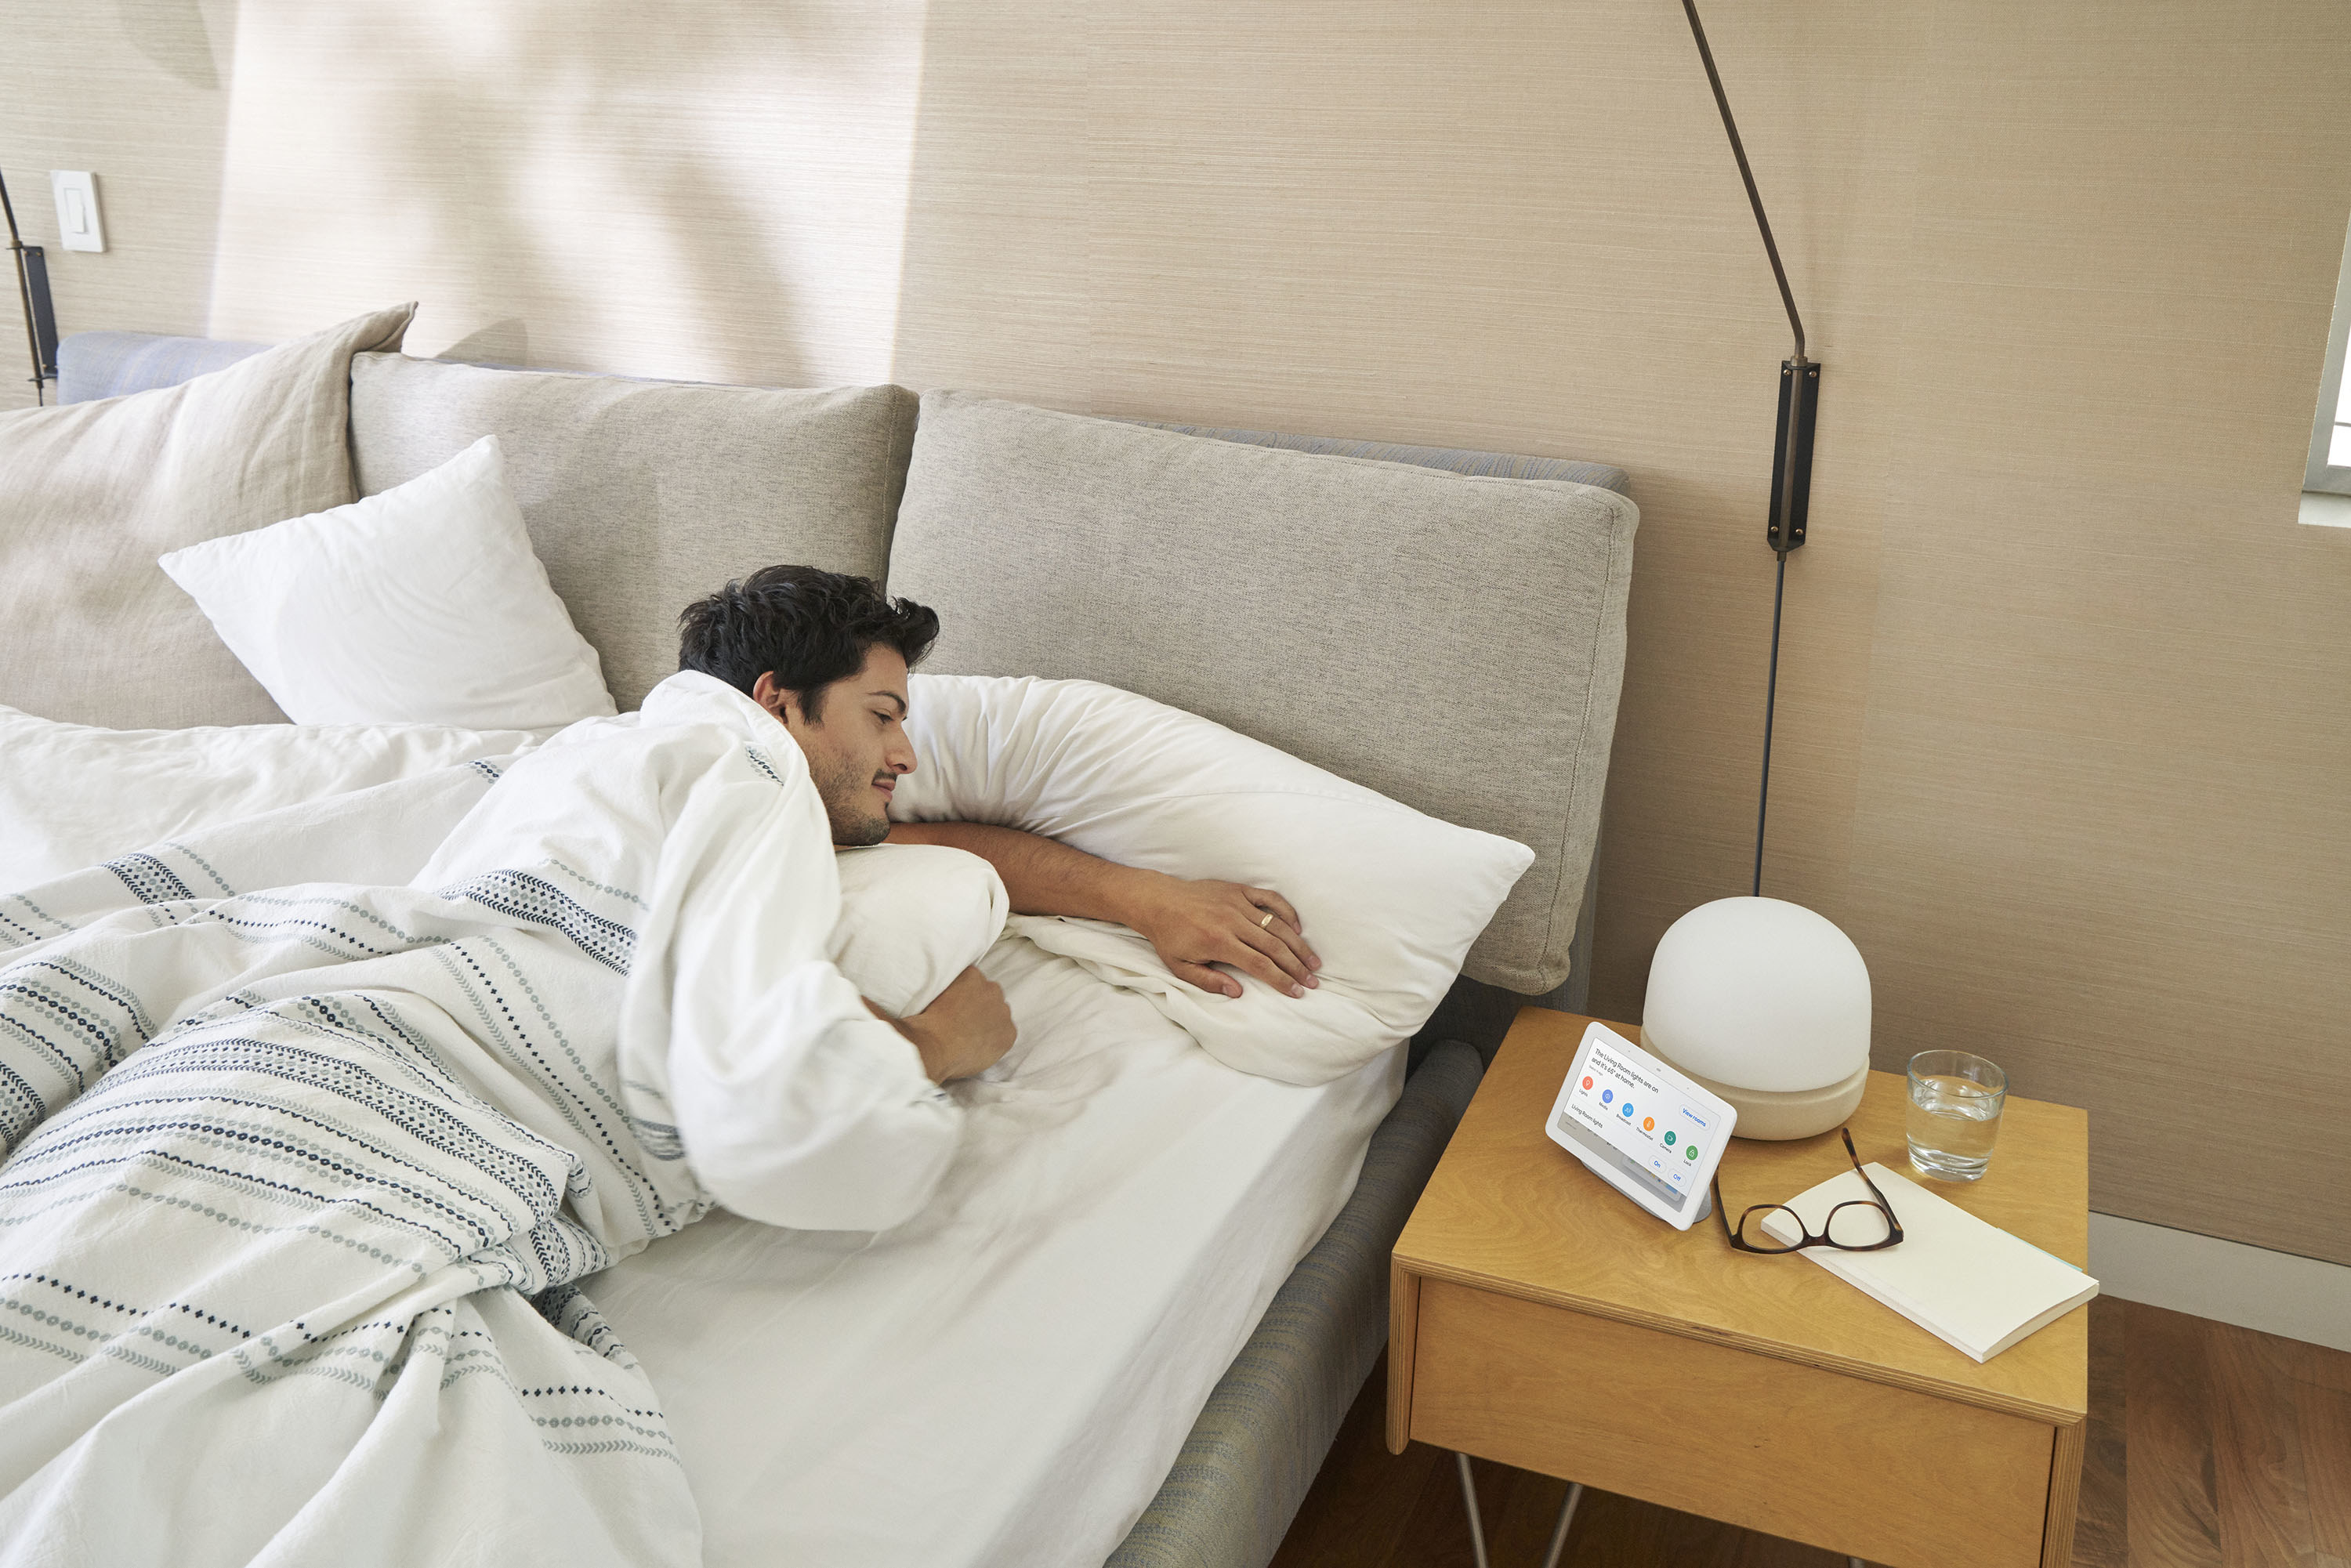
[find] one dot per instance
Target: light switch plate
(78, 223)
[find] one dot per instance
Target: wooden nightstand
(1540, 1320)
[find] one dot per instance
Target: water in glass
(1953, 1123)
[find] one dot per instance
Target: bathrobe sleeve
(792, 1103)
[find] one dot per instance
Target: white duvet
(72, 795)
(304, 1155)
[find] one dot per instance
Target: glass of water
(1954, 1117)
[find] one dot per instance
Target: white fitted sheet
(1005, 1380)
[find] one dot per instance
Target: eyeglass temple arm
(1892, 1220)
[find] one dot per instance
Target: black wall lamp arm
(33, 292)
(1800, 378)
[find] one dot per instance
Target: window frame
(2321, 476)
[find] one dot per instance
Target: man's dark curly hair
(809, 628)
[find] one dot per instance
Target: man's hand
(965, 1030)
(1193, 924)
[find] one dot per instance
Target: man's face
(856, 745)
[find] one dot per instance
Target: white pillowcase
(423, 605)
(913, 917)
(1391, 899)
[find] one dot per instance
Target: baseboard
(2251, 1286)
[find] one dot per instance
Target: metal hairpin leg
(1477, 1528)
(1566, 1518)
(1469, 1500)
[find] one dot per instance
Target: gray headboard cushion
(1452, 459)
(1456, 642)
(641, 496)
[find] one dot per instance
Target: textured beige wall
(137, 92)
(2063, 738)
(709, 191)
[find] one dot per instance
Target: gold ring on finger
(1267, 921)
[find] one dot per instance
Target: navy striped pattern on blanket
(301, 1180)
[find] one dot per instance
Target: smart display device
(1645, 1129)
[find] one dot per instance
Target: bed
(1130, 1332)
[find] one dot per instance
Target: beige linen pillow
(91, 631)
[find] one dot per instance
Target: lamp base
(1770, 1117)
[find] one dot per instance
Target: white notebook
(1970, 1284)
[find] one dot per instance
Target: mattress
(1008, 1379)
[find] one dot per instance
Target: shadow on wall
(712, 193)
(173, 36)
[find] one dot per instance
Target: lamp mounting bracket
(1791, 453)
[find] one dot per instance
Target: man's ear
(781, 701)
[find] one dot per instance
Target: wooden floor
(2209, 1447)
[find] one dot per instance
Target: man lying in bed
(829, 654)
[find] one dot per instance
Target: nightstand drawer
(1880, 1472)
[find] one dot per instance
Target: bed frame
(1238, 1479)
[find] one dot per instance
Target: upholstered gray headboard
(1454, 641)
(1445, 626)
(1474, 1011)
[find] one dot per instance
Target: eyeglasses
(1855, 1226)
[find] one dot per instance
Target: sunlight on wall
(714, 195)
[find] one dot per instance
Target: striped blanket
(311, 1122)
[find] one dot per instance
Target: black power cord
(1771, 701)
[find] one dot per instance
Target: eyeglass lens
(1752, 1234)
(1856, 1225)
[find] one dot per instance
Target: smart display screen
(1617, 1110)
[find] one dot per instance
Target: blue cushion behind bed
(93, 365)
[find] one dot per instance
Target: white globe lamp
(1767, 1004)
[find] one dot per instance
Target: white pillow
(913, 917)
(421, 605)
(1391, 899)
